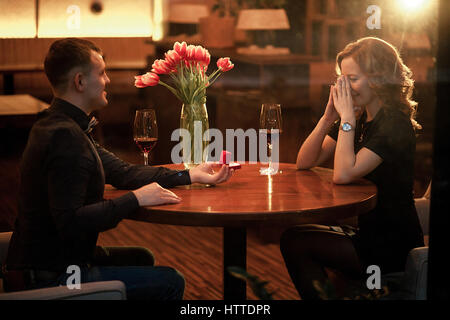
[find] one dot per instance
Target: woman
(368, 126)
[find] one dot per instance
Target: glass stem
(270, 156)
(146, 158)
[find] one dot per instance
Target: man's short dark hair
(66, 54)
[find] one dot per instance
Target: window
(106, 18)
(75, 18)
(17, 19)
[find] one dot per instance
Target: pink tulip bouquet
(186, 65)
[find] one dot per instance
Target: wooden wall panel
(31, 52)
(25, 51)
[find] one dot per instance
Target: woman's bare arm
(318, 147)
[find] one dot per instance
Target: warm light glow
(266, 19)
(17, 19)
(158, 18)
(187, 12)
(412, 5)
(70, 18)
(269, 191)
(269, 184)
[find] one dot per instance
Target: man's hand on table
(153, 194)
(204, 173)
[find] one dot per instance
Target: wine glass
(145, 131)
(270, 124)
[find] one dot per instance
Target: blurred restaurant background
(283, 51)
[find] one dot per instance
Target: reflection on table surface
(292, 196)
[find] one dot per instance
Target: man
(63, 174)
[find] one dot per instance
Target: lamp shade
(263, 19)
(187, 13)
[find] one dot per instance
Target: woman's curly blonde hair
(388, 76)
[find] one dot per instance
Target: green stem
(196, 92)
(190, 84)
(171, 89)
(179, 86)
(182, 80)
(214, 80)
(213, 74)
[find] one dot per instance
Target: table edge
(239, 219)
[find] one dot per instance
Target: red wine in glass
(269, 134)
(146, 144)
(145, 131)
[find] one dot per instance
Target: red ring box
(225, 158)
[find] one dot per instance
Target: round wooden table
(288, 198)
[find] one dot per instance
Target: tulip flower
(190, 52)
(149, 79)
(199, 53)
(180, 48)
(186, 65)
(202, 56)
(208, 58)
(172, 59)
(224, 64)
(161, 67)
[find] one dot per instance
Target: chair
(101, 290)
(413, 281)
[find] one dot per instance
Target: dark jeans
(134, 266)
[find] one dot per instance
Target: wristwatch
(346, 127)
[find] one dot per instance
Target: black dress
(386, 234)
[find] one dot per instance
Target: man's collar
(79, 116)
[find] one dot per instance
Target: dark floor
(197, 253)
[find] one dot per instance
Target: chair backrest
(100, 290)
(416, 274)
(423, 210)
(427, 194)
(4, 244)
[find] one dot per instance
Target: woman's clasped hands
(341, 93)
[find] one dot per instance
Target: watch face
(346, 126)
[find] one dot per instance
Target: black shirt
(61, 206)
(387, 233)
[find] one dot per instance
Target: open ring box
(225, 158)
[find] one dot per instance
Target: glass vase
(194, 119)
